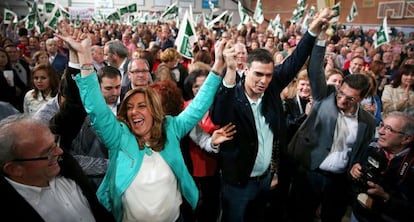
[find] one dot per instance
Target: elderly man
(386, 177)
(57, 60)
(40, 182)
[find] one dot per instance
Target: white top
(154, 194)
(344, 138)
(62, 201)
(31, 105)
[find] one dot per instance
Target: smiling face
(139, 116)
(258, 77)
(303, 89)
(347, 98)
(36, 141)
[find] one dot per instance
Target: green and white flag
(216, 19)
(49, 7)
(258, 15)
(39, 26)
(337, 9)
(113, 16)
(30, 21)
(123, 10)
(244, 16)
(53, 19)
(352, 12)
(132, 8)
(228, 19)
(276, 26)
(206, 19)
(381, 37)
(308, 17)
(64, 13)
(9, 16)
(301, 3)
(186, 37)
(297, 14)
(170, 13)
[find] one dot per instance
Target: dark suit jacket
(313, 140)
(59, 63)
(237, 156)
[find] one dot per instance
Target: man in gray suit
(327, 144)
(116, 55)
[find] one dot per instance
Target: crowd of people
(108, 122)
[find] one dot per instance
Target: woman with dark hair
(399, 95)
(45, 82)
(147, 176)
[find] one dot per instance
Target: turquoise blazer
(124, 155)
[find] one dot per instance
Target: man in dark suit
(330, 140)
(38, 181)
(58, 61)
(255, 107)
(19, 65)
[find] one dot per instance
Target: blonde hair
(169, 55)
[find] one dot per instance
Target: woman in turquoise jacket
(147, 174)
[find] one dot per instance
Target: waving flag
(244, 16)
(170, 13)
(258, 13)
(9, 17)
(352, 12)
(381, 37)
(186, 37)
(337, 9)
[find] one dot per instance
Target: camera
(371, 171)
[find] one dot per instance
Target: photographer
(385, 187)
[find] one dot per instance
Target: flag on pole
(49, 7)
(9, 16)
(114, 16)
(258, 15)
(132, 8)
(301, 3)
(297, 14)
(276, 26)
(216, 19)
(352, 12)
(64, 13)
(186, 37)
(337, 9)
(30, 21)
(170, 13)
(244, 16)
(308, 17)
(123, 10)
(381, 37)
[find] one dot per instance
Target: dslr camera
(371, 171)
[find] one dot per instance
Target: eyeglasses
(49, 156)
(389, 129)
(341, 94)
(133, 72)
